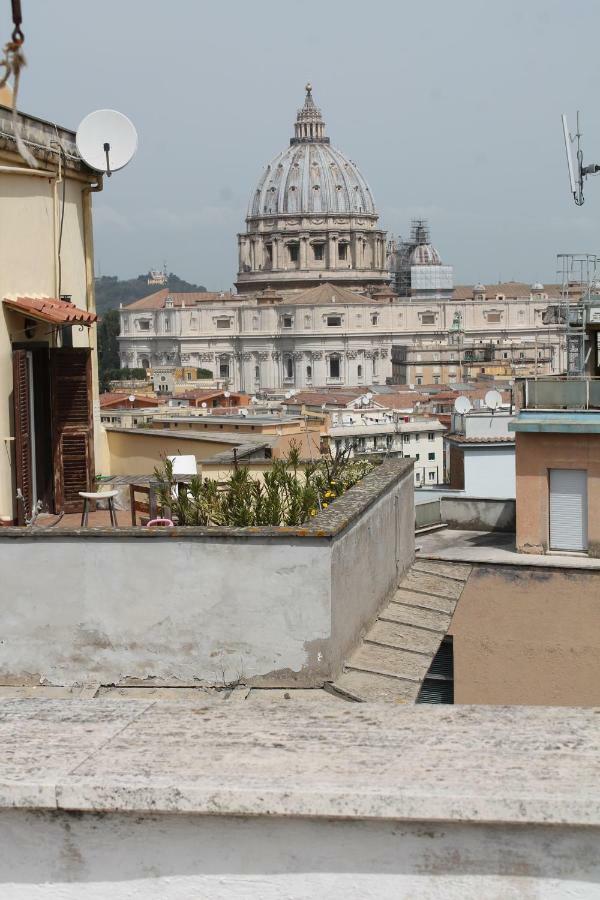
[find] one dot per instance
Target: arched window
(288, 367)
(308, 373)
(359, 371)
(224, 367)
(334, 367)
(145, 363)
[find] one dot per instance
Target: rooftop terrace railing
(558, 392)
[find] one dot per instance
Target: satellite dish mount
(579, 173)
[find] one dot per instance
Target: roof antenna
(580, 172)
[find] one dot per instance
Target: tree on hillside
(111, 291)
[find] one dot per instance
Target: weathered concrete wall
(528, 636)
(127, 857)
(175, 611)
(368, 561)
(537, 453)
(185, 605)
(479, 515)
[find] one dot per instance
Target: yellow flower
(325, 505)
(313, 512)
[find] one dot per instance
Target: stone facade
(331, 336)
(313, 306)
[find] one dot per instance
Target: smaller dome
(425, 255)
(537, 286)
(479, 288)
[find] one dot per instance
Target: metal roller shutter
(568, 509)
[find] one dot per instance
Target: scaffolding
(579, 275)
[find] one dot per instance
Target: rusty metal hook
(17, 36)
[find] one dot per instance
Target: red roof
(49, 309)
(121, 399)
(158, 299)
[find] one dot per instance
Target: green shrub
(286, 496)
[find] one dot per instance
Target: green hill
(111, 291)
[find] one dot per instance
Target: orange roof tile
(49, 309)
(158, 299)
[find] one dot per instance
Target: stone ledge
(509, 765)
(327, 524)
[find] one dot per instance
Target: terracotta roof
(328, 295)
(330, 398)
(114, 398)
(202, 394)
(512, 290)
(158, 299)
(400, 400)
(49, 309)
(463, 439)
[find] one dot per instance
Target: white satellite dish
(493, 399)
(106, 140)
(462, 405)
(204, 405)
(131, 398)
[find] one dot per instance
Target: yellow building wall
(131, 453)
(29, 227)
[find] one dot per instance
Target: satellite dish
(243, 412)
(106, 140)
(493, 400)
(131, 398)
(204, 405)
(227, 394)
(288, 396)
(462, 405)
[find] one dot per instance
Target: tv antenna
(106, 140)
(580, 172)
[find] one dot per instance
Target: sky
(451, 110)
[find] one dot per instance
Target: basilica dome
(311, 218)
(310, 176)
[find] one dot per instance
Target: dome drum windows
(318, 251)
(334, 367)
(288, 367)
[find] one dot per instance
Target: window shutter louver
(72, 430)
(22, 426)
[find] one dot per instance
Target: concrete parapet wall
(478, 514)
(205, 605)
(130, 800)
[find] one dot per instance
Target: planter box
(179, 606)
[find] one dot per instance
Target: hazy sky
(450, 108)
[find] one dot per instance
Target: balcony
(555, 392)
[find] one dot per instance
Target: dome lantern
(309, 124)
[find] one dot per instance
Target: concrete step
(425, 601)
(435, 585)
(367, 687)
(389, 661)
(414, 615)
(459, 571)
(405, 637)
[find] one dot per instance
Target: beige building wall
(527, 636)
(29, 227)
(536, 454)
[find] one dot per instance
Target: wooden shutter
(22, 425)
(72, 428)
